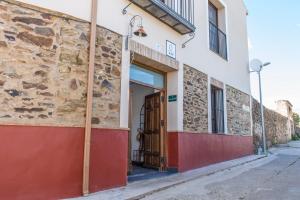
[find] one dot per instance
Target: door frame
(164, 136)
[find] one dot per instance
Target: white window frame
(225, 31)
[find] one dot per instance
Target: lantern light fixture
(140, 32)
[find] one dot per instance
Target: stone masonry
(195, 102)
(238, 112)
(276, 125)
(44, 67)
(297, 130)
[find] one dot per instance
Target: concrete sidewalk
(273, 178)
(140, 189)
(294, 144)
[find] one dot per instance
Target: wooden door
(154, 131)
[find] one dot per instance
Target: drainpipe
(89, 107)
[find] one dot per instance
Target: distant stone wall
(44, 68)
(238, 112)
(297, 130)
(276, 125)
(195, 101)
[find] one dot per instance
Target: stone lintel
(147, 56)
(216, 83)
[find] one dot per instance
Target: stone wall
(238, 112)
(276, 125)
(44, 67)
(195, 101)
(297, 130)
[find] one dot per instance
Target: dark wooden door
(154, 130)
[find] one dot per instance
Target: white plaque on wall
(171, 49)
(246, 108)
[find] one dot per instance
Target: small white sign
(246, 108)
(171, 49)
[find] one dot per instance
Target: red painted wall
(190, 151)
(109, 159)
(173, 155)
(47, 162)
(40, 162)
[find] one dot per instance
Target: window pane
(147, 77)
(213, 111)
(213, 14)
(223, 45)
(220, 110)
(217, 106)
(213, 38)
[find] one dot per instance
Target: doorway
(147, 122)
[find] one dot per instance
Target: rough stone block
(195, 102)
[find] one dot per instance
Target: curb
(294, 144)
(138, 197)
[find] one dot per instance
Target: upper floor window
(213, 14)
(217, 38)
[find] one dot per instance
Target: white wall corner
(180, 113)
(125, 79)
(209, 105)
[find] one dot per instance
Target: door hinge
(162, 122)
(162, 98)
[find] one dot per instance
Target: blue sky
(274, 36)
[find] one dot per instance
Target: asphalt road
(274, 178)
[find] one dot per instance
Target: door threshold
(148, 174)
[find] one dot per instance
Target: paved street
(276, 178)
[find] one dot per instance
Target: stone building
(175, 99)
(285, 108)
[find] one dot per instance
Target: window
(213, 14)
(217, 38)
(217, 110)
(146, 77)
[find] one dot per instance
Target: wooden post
(89, 107)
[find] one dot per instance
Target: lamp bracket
(192, 36)
(132, 20)
(130, 27)
(124, 11)
(131, 57)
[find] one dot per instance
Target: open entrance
(147, 121)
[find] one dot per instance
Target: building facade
(171, 91)
(285, 108)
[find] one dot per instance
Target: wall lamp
(140, 32)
